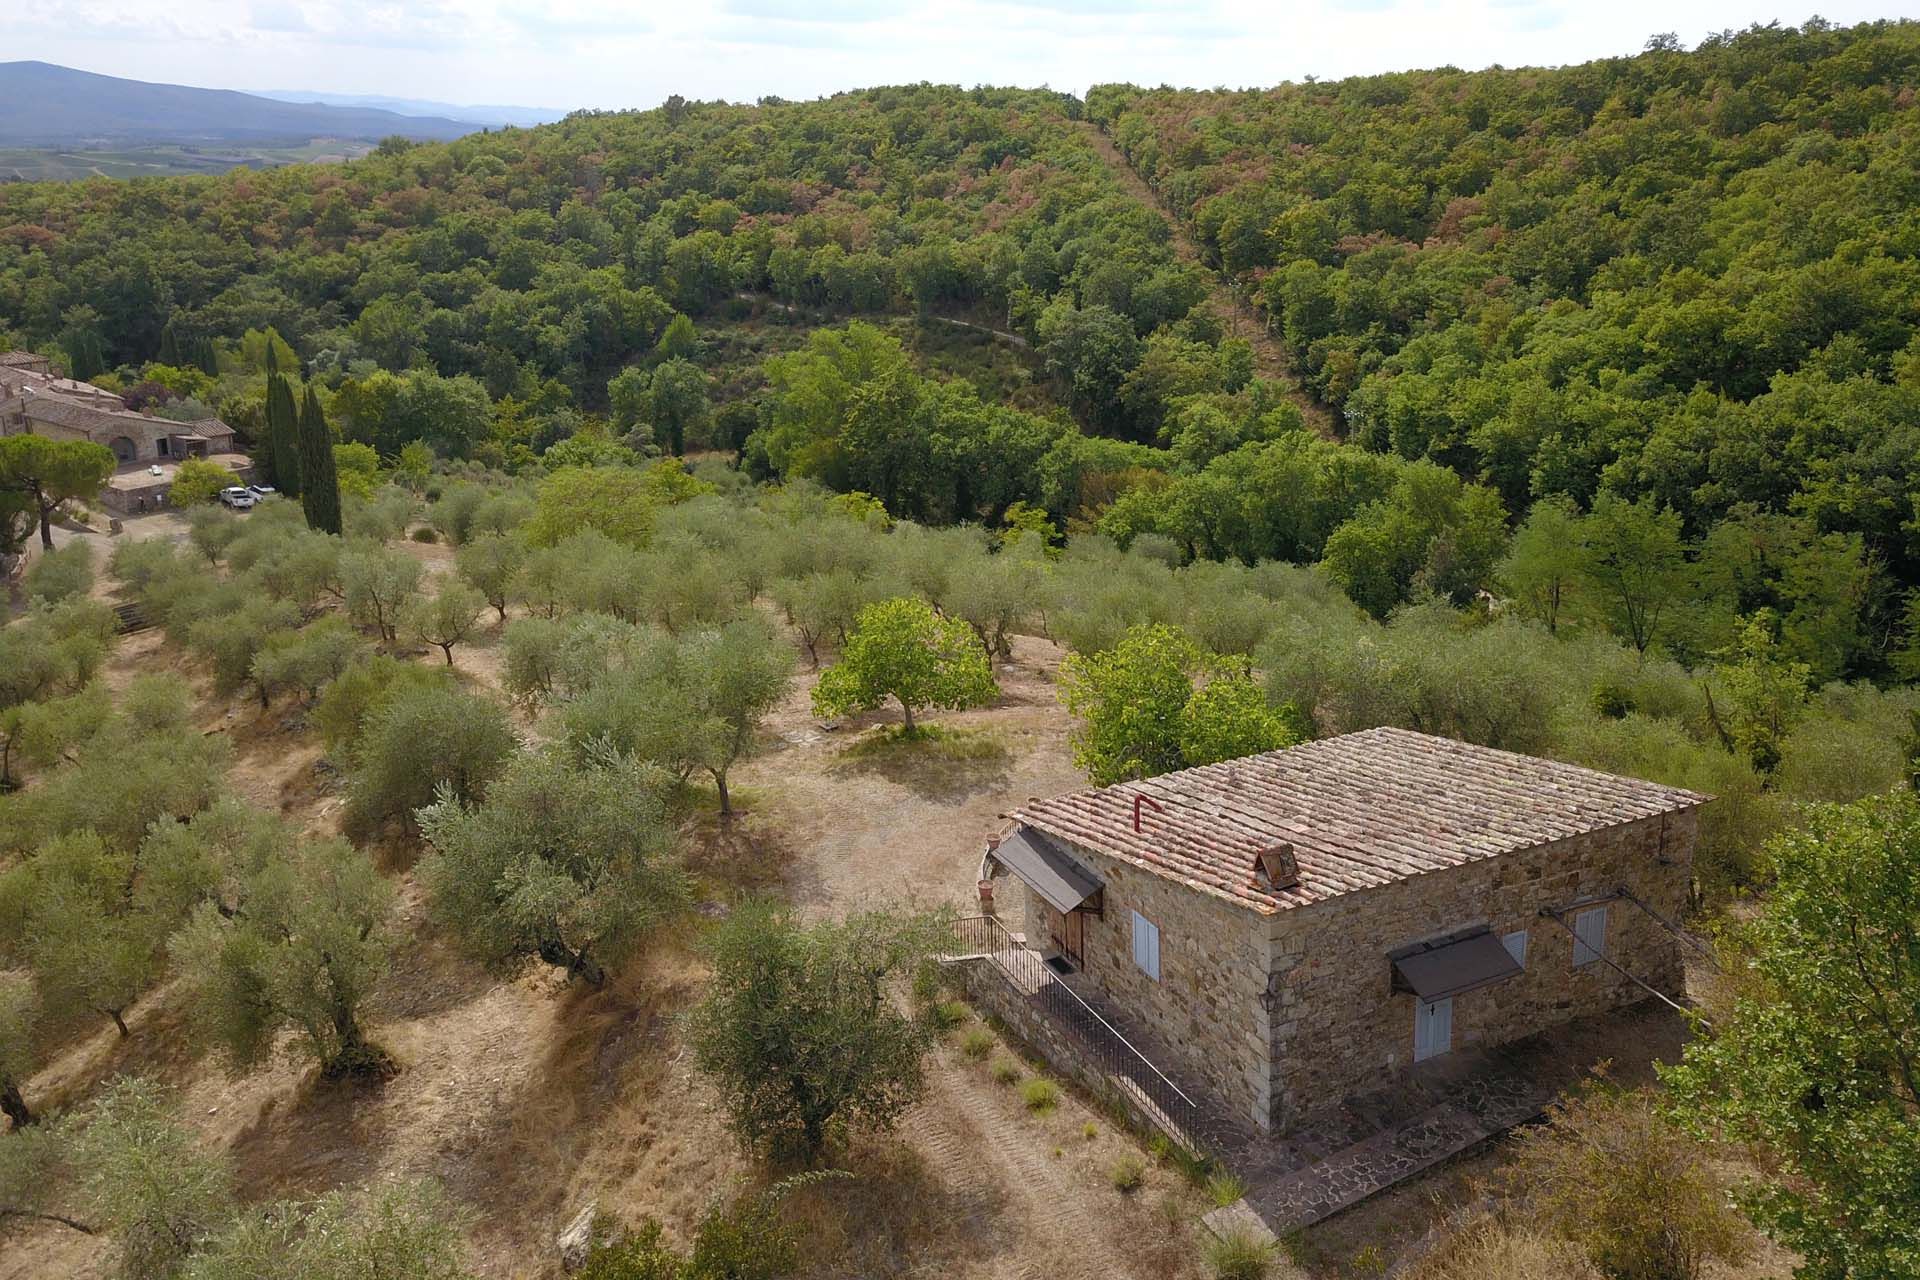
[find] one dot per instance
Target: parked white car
(260, 491)
(237, 497)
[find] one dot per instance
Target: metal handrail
(998, 933)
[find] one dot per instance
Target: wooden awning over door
(1047, 869)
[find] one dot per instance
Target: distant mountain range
(489, 115)
(42, 105)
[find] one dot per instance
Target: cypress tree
(283, 427)
(320, 492)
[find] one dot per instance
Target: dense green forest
(1673, 293)
(1684, 278)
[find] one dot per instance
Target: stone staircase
(130, 618)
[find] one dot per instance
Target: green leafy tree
(801, 1033)
(1636, 564)
(1544, 566)
(677, 403)
(1139, 713)
(571, 866)
(1816, 1061)
(900, 649)
(197, 482)
(1765, 693)
(299, 947)
(618, 501)
(1227, 717)
(50, 472)
(319, 478)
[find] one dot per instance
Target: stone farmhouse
(1293, 928)
(33, 400)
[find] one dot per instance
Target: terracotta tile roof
(1360, 810)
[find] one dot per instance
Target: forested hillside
(1685, 278)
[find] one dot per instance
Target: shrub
(977, 1043)
(1238, 1256)
(1634, 1192)
(1128, 1174)
(197, 481)
(1224, 1188)
(948, 1014)
(1004, 1070)
(424, 533)
(1040, 1095)
(60, 574)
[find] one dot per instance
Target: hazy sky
(621, 53)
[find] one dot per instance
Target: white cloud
(618, 53)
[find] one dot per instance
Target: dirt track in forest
(1271, 360)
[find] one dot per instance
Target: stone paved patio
(1427, 1116)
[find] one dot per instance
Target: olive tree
(61, 574)
(19, 1017)
(567, 865)
(743, 672)
(902, 650)
(378, 582)
(445, 618)
(801, 1033)
(489, 563)
(146, 1180)
(71, 918)
(299, 948)
(423, 737)
(394, 1231)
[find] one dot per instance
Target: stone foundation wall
(1205, 1013)
(1338, 1027)
(990, 993)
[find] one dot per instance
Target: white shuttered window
(1589, 936)
(1146, 946)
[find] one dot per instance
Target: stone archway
(124, 449)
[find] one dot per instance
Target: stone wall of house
(1338, 1027)
(1204, 1014)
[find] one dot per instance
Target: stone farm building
(1293, 928)
(33, 400)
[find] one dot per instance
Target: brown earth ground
(528, 1099)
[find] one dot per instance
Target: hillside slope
(43, 105)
